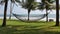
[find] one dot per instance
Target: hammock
(31, 17)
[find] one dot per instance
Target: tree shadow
(28, 21)
(25, 29)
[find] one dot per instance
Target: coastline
(44, 19)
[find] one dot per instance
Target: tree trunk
(57, 12)
(29, 9)
(5, 11)
(46, 16)
(28, 13)
(46, 13)
(10, 10)
(23, 1)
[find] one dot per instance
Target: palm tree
(12, 2)
(43, 6)
(10, 10)
(47, 5)
(47, 8)
(5, 11)
(29, 4)
(57, 12)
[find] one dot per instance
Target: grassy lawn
(18, 27)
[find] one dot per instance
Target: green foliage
(13, 1)
(29, 4)
(46, 4)
(29, 1)
(51, 1)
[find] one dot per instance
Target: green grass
(18, 27)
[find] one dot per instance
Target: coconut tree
(57, 12)
(46, 4)
(29, 5)
(48, 7)
(10, 10)
(5, 9)
(12, 2)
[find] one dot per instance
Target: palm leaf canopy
(44, 3)
(29, 4)
(13, 1)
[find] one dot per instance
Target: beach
(37, 16)
(32, 18)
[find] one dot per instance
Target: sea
(36, 16)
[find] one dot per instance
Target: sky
(19, 10)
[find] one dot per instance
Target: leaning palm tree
(12, 2)
(10, 10)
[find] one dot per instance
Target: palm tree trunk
(28, 13)
(46, 16)
(10, 10)
(29, 9)
(5, 11)
(23, 1)
(57, 12)
(46, 13)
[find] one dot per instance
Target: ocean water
(34, 15)
(50, 16)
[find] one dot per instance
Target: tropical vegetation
(37, 27)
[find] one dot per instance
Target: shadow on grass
(24, 29)
(12, 20)
(35, 21)
(28, 21)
